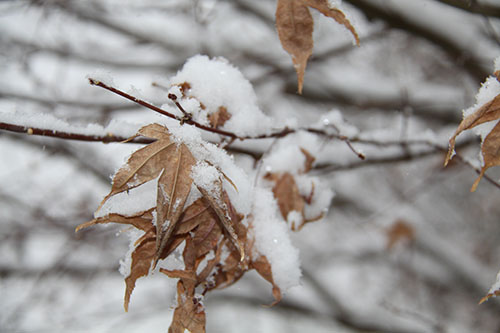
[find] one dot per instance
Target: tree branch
(67, 135)
(186, 119)
(471, 63)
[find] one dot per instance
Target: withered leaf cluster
(490, 148)
(295, 27)
(218, 249)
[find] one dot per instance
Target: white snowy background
(419, 65)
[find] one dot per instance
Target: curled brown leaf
(174, 186)
(295, 27)
(490, 150)
(219, 204)
(287, 194)
(488, 112)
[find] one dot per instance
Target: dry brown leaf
(144, 164)
(295, 27)
(398, 232)
(174, 186)
(490, 149)
(142, 258)
(262, 266)
(219, 118)
(145, 252)
(189, 314)
(193, 216)
(170, 162)
(488, 112)
(142, 220)
(228, 272)
(287, 194)
(141, 167)
(206, 236)
(219, 205)
(210, 224)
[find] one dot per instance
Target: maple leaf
(168, 161)
(208, 227)
(295, 27)
(145, 251)
(490, 147)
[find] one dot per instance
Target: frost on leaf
(218, 244)
(494, 290)
(295, 27)
(485, 112)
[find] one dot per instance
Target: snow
(286, 154)
(345, 253)
(287, 158)
(336, 121)
(272, 240)
(204, 151)
(207, 177)
(215, 83)
(270, 231)
(294, 218)
(322, 195)
(335, 3)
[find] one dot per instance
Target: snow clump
(216, 83)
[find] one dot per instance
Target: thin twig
(187, 119)
(69, 136)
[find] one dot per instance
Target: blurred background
(405, 246)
